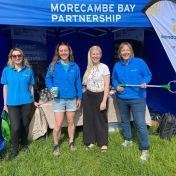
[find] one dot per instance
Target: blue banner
(76, 13)
(31, 40)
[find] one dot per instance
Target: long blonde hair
(122, 45)
(24, 62)
(90, 63)
(56, 56)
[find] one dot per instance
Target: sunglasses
(18, 55)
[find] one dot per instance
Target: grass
(118, 161)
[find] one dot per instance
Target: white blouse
(95, 82)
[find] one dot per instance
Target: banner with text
(163, 18)
(32, 41)
(99, 13)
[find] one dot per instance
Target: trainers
(145, 155)
(56, 152)
(72, 146)
(25, 148)
(127, 143)
(12, 155)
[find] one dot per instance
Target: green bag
(6, 128)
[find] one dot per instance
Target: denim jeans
(137, 108)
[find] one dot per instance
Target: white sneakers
(127, 143)
(145, 155)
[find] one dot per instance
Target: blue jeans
(138, 108)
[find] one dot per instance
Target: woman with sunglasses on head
(64, 74)
(95, 121)
(18, 81)
(132, 70)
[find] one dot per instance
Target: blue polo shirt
(18, 83)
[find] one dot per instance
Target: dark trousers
(95, 122)
(138, 108)
(19, 119)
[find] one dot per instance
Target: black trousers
(19, 119)
(95, 122)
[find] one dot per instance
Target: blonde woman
(132, 70)
(18, 81)
(95, 122)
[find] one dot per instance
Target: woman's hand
(143, 86)
(120, 89)
(78, 103)
(5, 108)
(102, 106)
(37, 104)
(52, 91)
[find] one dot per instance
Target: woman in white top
(95, 122)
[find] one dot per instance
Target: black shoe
(12, 155)
(25, 148)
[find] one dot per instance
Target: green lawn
(118, 161)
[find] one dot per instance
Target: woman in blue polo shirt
(64, 74)
(132, 70)
(18, 80)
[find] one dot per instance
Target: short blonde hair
(122, 45)
(90, 63)
(24, 62)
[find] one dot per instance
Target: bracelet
(5, 105)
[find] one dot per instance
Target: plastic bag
(6, 128)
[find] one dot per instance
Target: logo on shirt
(25, 75)
(134, 70)
(72, 70)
